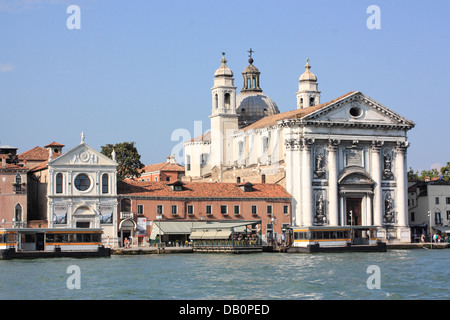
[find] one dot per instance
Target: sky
(143, 70)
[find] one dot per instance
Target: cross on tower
(250, 51)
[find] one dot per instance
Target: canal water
(396, 274)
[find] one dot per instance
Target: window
(236, 210)
(174, 209)
(437, 217)
(208, 209)
(190, 209)
(18, 212)
(18, 183)
(204, 159)
(269, 210)
(105, 183)
(159, 209)
(285, 209)
(224, 210)
(125, 205)
(448, 214)
(311, 101)
(188, 163)
(436, 200)
(447, 200)
(413, 216)
(140, 209)
(265, 145)
(227, 100)
(254, 211)
(82, 182)
(59, 183)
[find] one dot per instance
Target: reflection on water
(405, 274)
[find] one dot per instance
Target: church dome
(253, 106)
(308, 75)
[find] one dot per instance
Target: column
(333, 204)
(376, 175)
(307, 196)
(293, 177)
(401, 193)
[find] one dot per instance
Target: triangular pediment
(82, 155)
(358, 109)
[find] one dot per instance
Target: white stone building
(82, 191)
(344, 161)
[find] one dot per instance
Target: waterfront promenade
(155, 250)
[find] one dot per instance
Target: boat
(29, 243)
(335, 239)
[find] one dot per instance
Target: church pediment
(358, 109)
(355, 175)
(82, 155)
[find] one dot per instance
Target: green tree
(445, 172)
(127, 157)
(412, 175)
(433, 173)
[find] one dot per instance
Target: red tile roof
(164, 166)
(35, 154)
(200, 190)
(294, 114)
(54, 144)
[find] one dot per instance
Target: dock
(11, 253)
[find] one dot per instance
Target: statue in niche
(320, 210)
(320, 165)
(389, 210)
(387, 166)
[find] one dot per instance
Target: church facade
(343, 161)
(82, 191)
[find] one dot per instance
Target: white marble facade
(344, 160)
(82, 191)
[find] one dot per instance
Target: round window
(82, 182)
(355, 112)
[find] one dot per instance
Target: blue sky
(139, 70)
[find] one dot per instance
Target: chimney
(3, 163)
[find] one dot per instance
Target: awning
(442, 229)
(173, 227)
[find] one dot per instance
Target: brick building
(142, 205)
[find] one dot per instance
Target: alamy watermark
(374, 280)
(374, 20)
(74, 280)
(74, 20)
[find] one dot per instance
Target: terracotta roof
(200, 190)
(54, 144)
(294, 114)
(164, 166)
(10, 166)
(206, 137)
(36, 154)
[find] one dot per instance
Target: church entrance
(353, 206)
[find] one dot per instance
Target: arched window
(216, 101)
(227, 100)
(18, 178)
(125, 205)
(301, 102)
(265, 145)
(59, 183)
(105, 183)
(311, 101)
(18, 212)
(18, 183)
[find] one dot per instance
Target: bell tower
(308, 94)
(224, 119)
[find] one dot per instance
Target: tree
(445, 172)
(127, 157)
(412, 175)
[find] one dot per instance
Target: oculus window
(82, 182)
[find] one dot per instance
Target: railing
(126, 215)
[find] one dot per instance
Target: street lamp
(431, 232)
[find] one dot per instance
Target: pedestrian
(130, 242)
(125, 243)
(388, 238)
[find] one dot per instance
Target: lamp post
(431, 232)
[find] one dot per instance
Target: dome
(223, 69)
(253, 106)
(308, 75)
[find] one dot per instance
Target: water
(405, 274)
